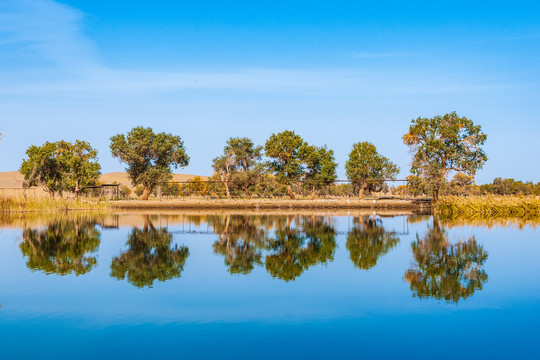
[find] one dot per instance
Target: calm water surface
(204, 286)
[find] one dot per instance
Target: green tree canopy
(149, 156)
(63, 247)
(285, 152)
(150, 257)
(320, 170)
(61, 166)
(444, 144)
(240, 163)
(43, 168)
(368, 241)
(443, 270)
(502, 186)
(248, 165)
(366, 168)
(81, 167)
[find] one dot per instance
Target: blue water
(175, 286)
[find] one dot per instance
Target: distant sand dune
(14, 179)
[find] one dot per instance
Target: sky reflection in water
(266, 286)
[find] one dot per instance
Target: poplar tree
(366, 168)
(149, 156)
(444, 144)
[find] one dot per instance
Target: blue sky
(335, 72)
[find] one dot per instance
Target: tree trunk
(313, 192)
(225, 181)
(227, 190)
(291, 194)
(146, 193)
(435, 196)
(362, 190)
(246, 191)
(77, 189)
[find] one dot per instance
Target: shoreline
(285, 204)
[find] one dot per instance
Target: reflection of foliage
(293, 251)
(446, 271)
(241, 241)
(368, 241)
(417, 219)
(291, 244)
(62, 248)
(149, 257)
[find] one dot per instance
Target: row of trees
(150, 158)
(440, 146)
(463, 185)
(285, 246)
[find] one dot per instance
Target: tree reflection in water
(150, 257)
(446, 271)
(368, 241)
(285, 245)
(292, 250)
(65, 247)
(241, 241)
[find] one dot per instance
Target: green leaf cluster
(366, 168)
(61, 166)
(443, 144)
(320, 167)
(285, 150)
(292, 159)
(149, 156)
(240, 164)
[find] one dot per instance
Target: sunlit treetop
(444, 144)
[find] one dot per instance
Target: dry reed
(24, 204)
(490, 206)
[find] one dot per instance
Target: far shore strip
(274, 204)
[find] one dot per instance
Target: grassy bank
(22, 204)
(257, 204)
(490, 206)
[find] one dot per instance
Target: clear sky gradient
(335, 72)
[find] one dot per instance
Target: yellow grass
(490, 206)
(30, 204)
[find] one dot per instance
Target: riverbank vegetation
(489, 206)
(48, 204)
(446, 154)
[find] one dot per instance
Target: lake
(268, 285)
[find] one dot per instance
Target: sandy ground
(284, 204)
(122, 178)
(11, 179)
(11, 182)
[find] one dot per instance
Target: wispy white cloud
(336, 83)
(51, 29)
(55, 32)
